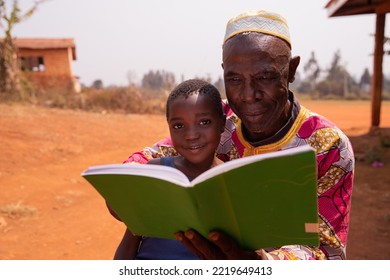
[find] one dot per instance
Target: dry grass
(17, 210)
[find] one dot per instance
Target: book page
(225, 167)
(162, 172)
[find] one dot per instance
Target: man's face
(256, 69)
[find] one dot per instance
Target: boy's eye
(205, 122)
(177, 126)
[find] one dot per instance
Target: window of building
(32, 63)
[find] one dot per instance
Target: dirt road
(47, 211)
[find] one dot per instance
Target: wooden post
(376, 84)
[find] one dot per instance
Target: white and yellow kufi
(258, 21)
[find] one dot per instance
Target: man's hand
(218, 247)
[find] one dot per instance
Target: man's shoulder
(319, 130)
(317, 121)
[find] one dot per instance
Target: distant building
(48, 62)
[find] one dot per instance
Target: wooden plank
(333, 6)
(376, 85)
(383, 8)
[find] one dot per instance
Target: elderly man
(264, 116)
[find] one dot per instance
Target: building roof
(45, 44)
(357, 7)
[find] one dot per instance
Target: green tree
(365, 81)
(158, 80)
(386, 42)
(386, 85)
(10, 15)
(339, 81)
(312, 71)
(336, 70)
(97, 84)
(220, 85)
(366, 77)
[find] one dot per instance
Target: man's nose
(250, 92)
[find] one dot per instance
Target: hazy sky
(184, 36)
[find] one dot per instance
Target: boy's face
(195, 128)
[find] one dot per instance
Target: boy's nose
(192, 133)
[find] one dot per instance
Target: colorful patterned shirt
(335, 169)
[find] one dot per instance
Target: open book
(261, 201)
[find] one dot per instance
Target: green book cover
(261, 201)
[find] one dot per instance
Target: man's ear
(294, 62)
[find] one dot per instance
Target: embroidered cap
(258, 21)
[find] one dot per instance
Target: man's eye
(234, 80)
(267, 76)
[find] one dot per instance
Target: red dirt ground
(48, 212)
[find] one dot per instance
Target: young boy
(196, 120)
